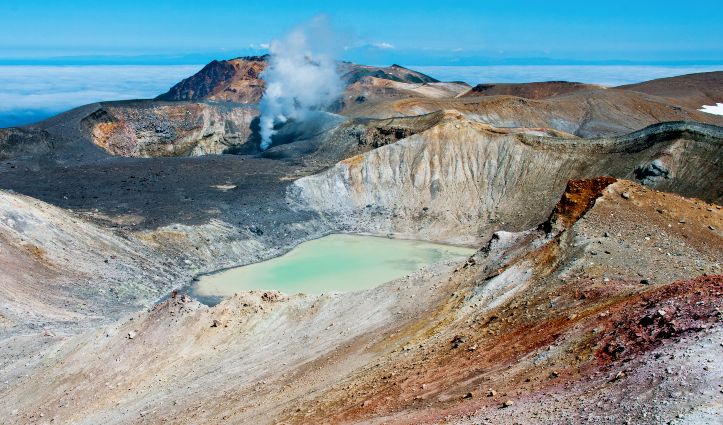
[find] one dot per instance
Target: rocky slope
(60, 272)
(154, 129)
(589, 301)
(452, 179)
(547, 325)
(690, 91)
(240, 80)
(23, 142)
(236, 80)
(371, 90)
(585, 113)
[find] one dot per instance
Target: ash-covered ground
(106, 209)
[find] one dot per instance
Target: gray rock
(652, 172)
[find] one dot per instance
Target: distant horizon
(32, 93)
(493, 41)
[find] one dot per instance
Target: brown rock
(457, 341)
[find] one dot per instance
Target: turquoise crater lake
(335, 263)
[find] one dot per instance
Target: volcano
(593, 292)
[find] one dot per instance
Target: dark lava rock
(256, 230)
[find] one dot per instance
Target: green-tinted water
(335, 263)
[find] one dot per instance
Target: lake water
(335, 263)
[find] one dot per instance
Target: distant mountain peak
(239, 80)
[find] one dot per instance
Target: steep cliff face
(452, 180)
(175, 129)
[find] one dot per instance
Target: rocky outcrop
(578, 198)
(24, 143)
(451, 181)
(170, 129)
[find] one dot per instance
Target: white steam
(301, 77)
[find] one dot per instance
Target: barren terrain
(594, 295)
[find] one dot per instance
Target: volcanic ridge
(594, 295)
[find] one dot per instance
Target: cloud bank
(33, 93)
(607, 75)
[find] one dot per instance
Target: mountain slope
(691, 91)
(457, 179)
(538, 326)
(239, 80)
(585, 113)
(352, 73)
(539, 90)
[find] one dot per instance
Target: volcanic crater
(593, 293)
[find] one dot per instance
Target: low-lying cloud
(607, 75)
(32, 93)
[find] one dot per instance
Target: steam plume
(301, 77)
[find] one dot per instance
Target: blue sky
(154, 43)
(420, 32)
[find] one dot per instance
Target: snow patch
(716, 109)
